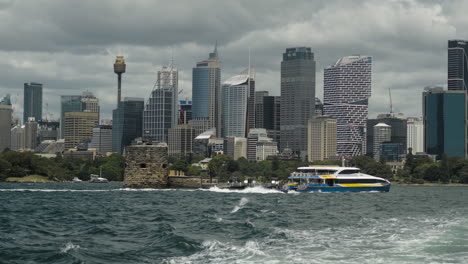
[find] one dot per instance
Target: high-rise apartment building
(347, 88)
(235, 94)
(206, 91)
(415, 134)
(102, 139)
(78, 127)
(297, 97)
(180, 140)
(382, 133)
(127, 123)
(321, 142)
(457, 65)
(161, 111)
(399, 131)
(5, 123)
(32, 105)
(445, 126)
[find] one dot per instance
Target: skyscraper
(347, 88)
(297, 97)
(321, 143)
(382, 133)
(32, 101)
(127, 123)
(445, 126)
(180, 140)
(160, 112)
(86, 102)
(5, 123)
(206, 91)
(415, 135)
(185, 111)
(399, 131)
(457, 65)
(235, 94)
(79, 128)
(119, 69)
(102, 139)
(30, 134)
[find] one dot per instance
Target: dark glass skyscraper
(32, 101)
(127, 123)
(206, 91)
(399, 131)
(457, 65)
(445, 123)
(297, 97)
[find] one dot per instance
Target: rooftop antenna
(391, 105)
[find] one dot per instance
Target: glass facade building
(445, 123)
(297, 97)
(127, 123)
(390, 151)
(457, 65)
(32, 101)
(234, 101)
(399, 131)
(347, 87)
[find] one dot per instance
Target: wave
(241, 205)
(69, 246)
(257, 189)
(50, 190)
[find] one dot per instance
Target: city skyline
(406, 58)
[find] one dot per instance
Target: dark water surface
(103, 223)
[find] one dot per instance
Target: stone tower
(146, 166)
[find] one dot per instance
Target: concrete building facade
(79, 127)
(415, 134)
(382, 133)
(321, 142)
(6, 111)
(181, 140)
(102, 139)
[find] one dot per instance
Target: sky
(70, 46)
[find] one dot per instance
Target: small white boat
(97, 179)
(76, 179)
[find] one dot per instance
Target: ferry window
(348, 172)
(325, 172)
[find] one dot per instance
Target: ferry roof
(336, 168)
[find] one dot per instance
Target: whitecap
(69, 246)
(256, 189)
(243, 201)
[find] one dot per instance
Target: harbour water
(104, 223)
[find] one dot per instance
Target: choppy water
(103, 223)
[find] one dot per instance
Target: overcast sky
(70, 46)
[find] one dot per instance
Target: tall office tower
(206, 91)
(79, 128)
(47, 130)
(32, 101)
(6, 111)
(415, 134)
(297, 97)
(17, 138)
(119, 69)
(399, 131)
(102, 139)
(30, 134)
(180, 140)
(90, 102)
(250, 72)
(127, 123)
(254, 136)
(445, 126)
(185, 111)
(235, 94)
(86, 102)
(318, 107)
(347, 88)
(457, 65)
(321, 142)
(160, 112)
(259, 108)
(235, 147)
(200, 125)
(382, 133)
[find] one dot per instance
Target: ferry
(334, 179)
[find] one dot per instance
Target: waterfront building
(6, 111)
(235, 93)
(266, 148)
(30, 134)
(444, 115)
(102, 139)
(185, 111)
(457, 65)
(297, 97)
(180, 140)
(235, 147)
(258, 135)
(382, 133)
(321, 142)
(32, 105)
(206, 91)
(415, 134)
(399, 131)
(79, 127)
(347, 88)
(161, 112)
(17, 138)
(127, 123)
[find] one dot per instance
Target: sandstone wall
(146, 166)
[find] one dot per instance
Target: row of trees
(20, 164)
